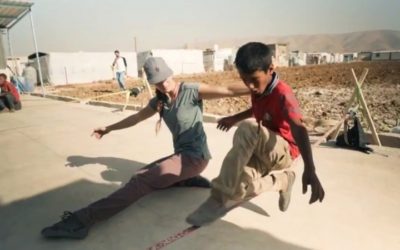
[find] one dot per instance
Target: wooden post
(127, 95)
(350, 102)
(144, 79)
(330, 131)
(367, 114)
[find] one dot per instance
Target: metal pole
(10, 49)
(37, 53)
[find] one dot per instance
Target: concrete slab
(49, 163)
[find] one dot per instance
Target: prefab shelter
(364, 56)
(395, 55)
(320, 58)
(313, 58)
(349, 57)
(281, 53)
(59, 68)
(181, 61)
(327, 58)
(218, 59)
(337, 57)
(380, 55)
(297, 58)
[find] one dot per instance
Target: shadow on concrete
(137, 227)
(332, 145)
(117, 169)
(227, 235)
(121, 170)
(22, 221)
(255, 208)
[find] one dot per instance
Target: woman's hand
(100, 132)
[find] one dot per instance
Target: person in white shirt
(120, 68)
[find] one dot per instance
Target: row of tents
(84, 67)
(60, 68)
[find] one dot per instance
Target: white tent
(81, 67)
(181, 61)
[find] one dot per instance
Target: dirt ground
(322, 90)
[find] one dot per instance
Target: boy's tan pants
(253, 163)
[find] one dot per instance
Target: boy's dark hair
(253, 56)
(116, 51)
(3, 75)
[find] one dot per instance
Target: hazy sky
(103, 25)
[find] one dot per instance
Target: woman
(180, 106)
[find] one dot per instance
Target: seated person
(9, 96)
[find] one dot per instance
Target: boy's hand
(317, 191)
(100, 132)
(226, 123)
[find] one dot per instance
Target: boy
(262, 148)
(9, 96)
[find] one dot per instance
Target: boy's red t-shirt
(270, 109)
(9, 87)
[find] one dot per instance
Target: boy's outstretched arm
(310, 177)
